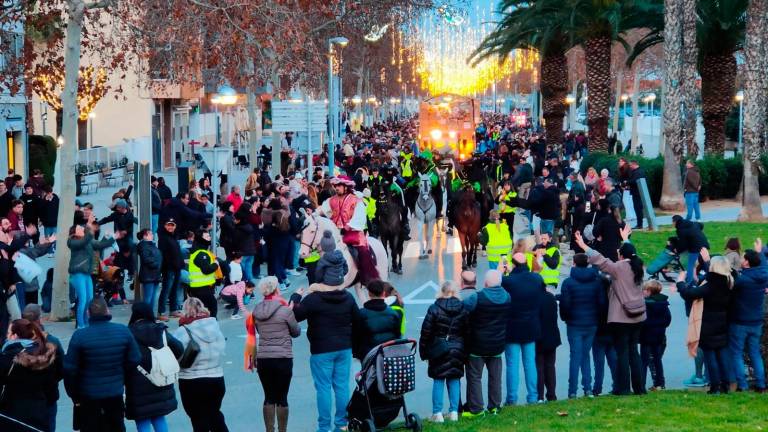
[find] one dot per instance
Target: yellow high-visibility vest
(503, 207)
(313, 257)
(499, 241)
(405, 165)
(370, 208)
(551, 276)
(197, 278)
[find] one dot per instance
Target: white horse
(316, 225)
(425, 213)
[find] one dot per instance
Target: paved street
(418, 285)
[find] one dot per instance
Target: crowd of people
(532, 196)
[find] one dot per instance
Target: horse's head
(310, 236)
(425, 185)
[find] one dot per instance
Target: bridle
(314, 236)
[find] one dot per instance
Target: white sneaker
(292, 272)
(283, 287)
(236, 316)
(453, 416)
(437, 418)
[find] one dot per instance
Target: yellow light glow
(452, 135)
(436, 134)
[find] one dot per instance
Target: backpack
(165, 368)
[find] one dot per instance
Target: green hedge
(720, 177)
(42, 155)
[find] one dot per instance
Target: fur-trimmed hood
(26, 359)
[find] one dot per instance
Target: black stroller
(667, 263)
(388, 372)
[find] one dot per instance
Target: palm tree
(536, 26)
(755, 99)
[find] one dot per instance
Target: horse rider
(548, 252)
(389, 179)
(347, 211)
(406, 164)
(370, 209)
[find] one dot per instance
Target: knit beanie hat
(327, 243)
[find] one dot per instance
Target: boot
(269, 417)
(282, 418)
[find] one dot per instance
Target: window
(11, 45)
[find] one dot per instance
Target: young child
(235, 269)
(653, 338)
(236, 296)
(332, 267)
(546, 347)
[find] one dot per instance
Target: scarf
(184, 320)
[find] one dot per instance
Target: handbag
(588, 234)
(439, 347)
(634, 308)
(190, 353)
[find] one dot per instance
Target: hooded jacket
(276, 327)
(379, 323)
(715, 317)
(659, 318)
(26, 378)
(330, 316)
(488, 315)
(446, 319)
(207, 334)
(143, 399)
(582, 297)
(171, 251)
(525, 292)
(748, 296)
(331, 268)
(82, 251)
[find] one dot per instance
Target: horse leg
(430, 231)
(362, 295)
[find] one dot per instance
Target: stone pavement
(418, 285)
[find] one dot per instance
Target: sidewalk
(714, 211)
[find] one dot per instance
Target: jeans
(475, 366)
(158, 424)
(547, 226)
(149, 292)
(331, 371)
(454, 394)
(602, 352)
(279, 248)
(637, 204)
(52, 411)
(49, 231)
(493, 265)
(718, 367)
(547, 380)
(247, 265)
(743, 337)
(21, 295)
(155, 220)
(83, 285)
(626, 338)
(512, 354)
(693, 258)
(169, 292)
(580, 343)
(692, 205)
(651, 358)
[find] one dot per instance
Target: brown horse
(468, 225)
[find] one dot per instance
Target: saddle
(365, 259)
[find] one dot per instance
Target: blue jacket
(97, 359)
(748, 296)
(658, 319)
(582, 297)
(526, 291)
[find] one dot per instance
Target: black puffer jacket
(714, 321)
(330, 317)
(446, 317)
(151, 262)
(379, 323)
(144, 399)
(690, 236)
(243, 240)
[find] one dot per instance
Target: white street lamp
(91, 117)
(650, 98)
(333, 106)
(740, 100)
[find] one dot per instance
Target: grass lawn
(649, 243)
(659, 411)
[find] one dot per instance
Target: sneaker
(162, 317)
(283, 287)
(469, 415)
(236, 317)
(436, 418)
(453, 416)
(292, 272)
(493, 411)
(695, 381)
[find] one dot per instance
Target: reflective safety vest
(406, 169)
(197, 278)
(400, 309)
(551, 276)
(370, 207)
(529, 260)
(499, 241)
(503, 207)
(314, 256)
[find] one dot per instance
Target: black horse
(389, 213)
(467, 221)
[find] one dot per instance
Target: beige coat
(623, 288)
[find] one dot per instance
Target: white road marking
(411, 299)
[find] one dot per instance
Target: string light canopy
(91, 88)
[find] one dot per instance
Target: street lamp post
(333, 101)
(570, 100)
(624, 98)
(651, 98)
(226, 96)
(91, 118)
(740, 100)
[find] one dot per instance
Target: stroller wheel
(667, 277)
(413, 422)
(369, 426)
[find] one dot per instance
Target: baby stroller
(388, 372)
(109, 284)
(667, 263)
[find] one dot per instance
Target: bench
(128, 173)
(88, 186)
(107, 177)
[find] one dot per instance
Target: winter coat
(150, 260)
(378, 323)
(488, 315)
(208, 335)
(582, 297)
(609, 232)
(715, 318)
(525, 290)
(82, 252)
(157, 201)
(32, 209)
(122, 222)
(550, 333)
(243, 240)
(25, 379)
(186, 218)
(330, 317)
(331, 268)
(659, 318)
(49, 211)
(690, 236)
(171, 251)
(748, 296)
(276, 327)
(446, 319)
(143, 399)
(97, 359)
(692, 180)
(623, 287)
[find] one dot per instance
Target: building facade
(13, 154)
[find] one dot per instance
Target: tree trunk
(718, 76)
(67, 153)
(755, 99)
(672, 187)
(598, 54)
(690, 57)
(617, 100)
(635, 110)
(554, 87)
(254, 120)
